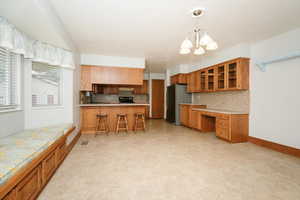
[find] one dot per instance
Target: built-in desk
(228, 125)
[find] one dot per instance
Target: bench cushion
(18, 149)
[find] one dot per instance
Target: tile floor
(169, 162)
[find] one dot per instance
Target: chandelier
(202, 41)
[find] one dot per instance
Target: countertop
(191, 104)
(115, 104)
(220, 111)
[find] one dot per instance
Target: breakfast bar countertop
(223, 111)
(114, 104)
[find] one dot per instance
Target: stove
(126, 99)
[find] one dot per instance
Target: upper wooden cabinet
(192, 82)
(85, 79)
(226, 76)
(110, 75)
(117, 75)
(179, 79)
(141, 89)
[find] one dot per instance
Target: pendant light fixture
(202, 39)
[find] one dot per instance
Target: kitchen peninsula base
(89, 115)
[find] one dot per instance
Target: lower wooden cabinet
(28, 183)
(190, 118)
(194, 120)
(11, 195)
(60, 153)
(230, 127)
(89, 116)
(222, 128)
(184, 115)
(48, 167)
(30, 186)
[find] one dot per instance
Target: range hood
(125, 89)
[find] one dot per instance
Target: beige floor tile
(174, 163)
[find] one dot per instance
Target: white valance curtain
(18, 42)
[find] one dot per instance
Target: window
(46, 85)
(9, 79)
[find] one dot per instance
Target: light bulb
(199, 51)
(185, 51)
(186, 44)
(205, 40)
(212, 46)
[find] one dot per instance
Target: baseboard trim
(275, 146)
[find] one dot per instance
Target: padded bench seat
(18, 149)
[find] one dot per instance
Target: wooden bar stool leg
(106, 126)
(118, 124)
(126, 123)
(136, 123)
(144, 124)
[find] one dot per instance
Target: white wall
(240, 50)
(114, 61)
(275, 97)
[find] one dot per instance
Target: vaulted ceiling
(155, 29)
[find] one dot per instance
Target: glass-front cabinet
(202, 78)
(221, 77)
(227, 76)
(211, 79)
(232, 75)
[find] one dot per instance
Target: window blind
(8, 79)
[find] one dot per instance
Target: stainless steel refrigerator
(176, 94)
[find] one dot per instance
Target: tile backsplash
(105, 98)
(229, 100)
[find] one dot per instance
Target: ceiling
(155, 29)
(30, 17)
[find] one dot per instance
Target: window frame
(17, 106)
(60, 92)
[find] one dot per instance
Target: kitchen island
(89, 115)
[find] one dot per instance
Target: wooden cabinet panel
(60, 152)
(222, 133)
(189, 117)
(222, 128)
(174, 79)
(30, 186)
(179, 79)
(110, 89)
(117, 75)
(184, 115)
(11, 195)
(143, 89)
(109, 76)
(88, 119)
(85, 79)
(192, 82)
(48, 167)
(194, 120)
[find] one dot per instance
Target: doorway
(158, 98)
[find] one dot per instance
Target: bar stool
(102, 125)
(139, 122)
(122, 123)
